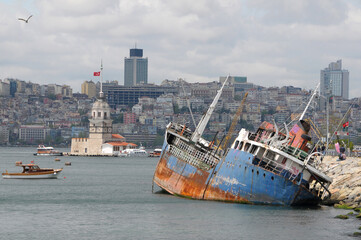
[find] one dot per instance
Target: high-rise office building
(334, 81)
(135, 68)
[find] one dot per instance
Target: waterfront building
(101, 140)
(135, 68)
(4, 134)
(89, 88)
(334, 81)
(32, 133)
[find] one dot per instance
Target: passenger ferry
(47, 151)
(136, 152)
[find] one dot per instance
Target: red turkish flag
(96, 73)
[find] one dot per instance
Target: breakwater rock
(346, 185)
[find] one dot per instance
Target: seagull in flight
(25, 20)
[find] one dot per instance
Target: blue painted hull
(233, 179)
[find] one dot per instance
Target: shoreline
(346, 185)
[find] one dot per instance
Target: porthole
(272, 178)
(264, 175)
(257, 172)
(252, 170)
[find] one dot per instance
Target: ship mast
(204, 121)
(309, 102)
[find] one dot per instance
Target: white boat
(32, 171)
(156, 153)
(136, 152)
(47, 151)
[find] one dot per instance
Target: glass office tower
(135, 68)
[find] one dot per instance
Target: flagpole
(101, 79)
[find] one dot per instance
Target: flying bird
(25, 20)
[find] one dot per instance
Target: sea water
(111, 198)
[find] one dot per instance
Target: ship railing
(296, 152)
(284, 147)
(192, 155)
(300, 154)
(278, 168)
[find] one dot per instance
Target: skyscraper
(135, 68)
(334, 81)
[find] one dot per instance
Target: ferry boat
(264, 167)
(136, 152)
(155, 153)
(32, 171)
(47, 151)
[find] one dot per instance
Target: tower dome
(100, 110)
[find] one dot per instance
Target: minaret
(100, 124)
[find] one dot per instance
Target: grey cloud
(274, 43)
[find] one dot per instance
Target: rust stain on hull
(193, 186)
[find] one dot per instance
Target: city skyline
(276, 44)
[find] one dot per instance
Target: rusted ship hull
(234, 179)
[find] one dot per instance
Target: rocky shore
(346, 185)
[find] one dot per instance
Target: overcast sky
(273, 43)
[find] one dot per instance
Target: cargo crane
(234, 122)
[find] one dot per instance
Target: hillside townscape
(31, 113)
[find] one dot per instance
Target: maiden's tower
(101, 141)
